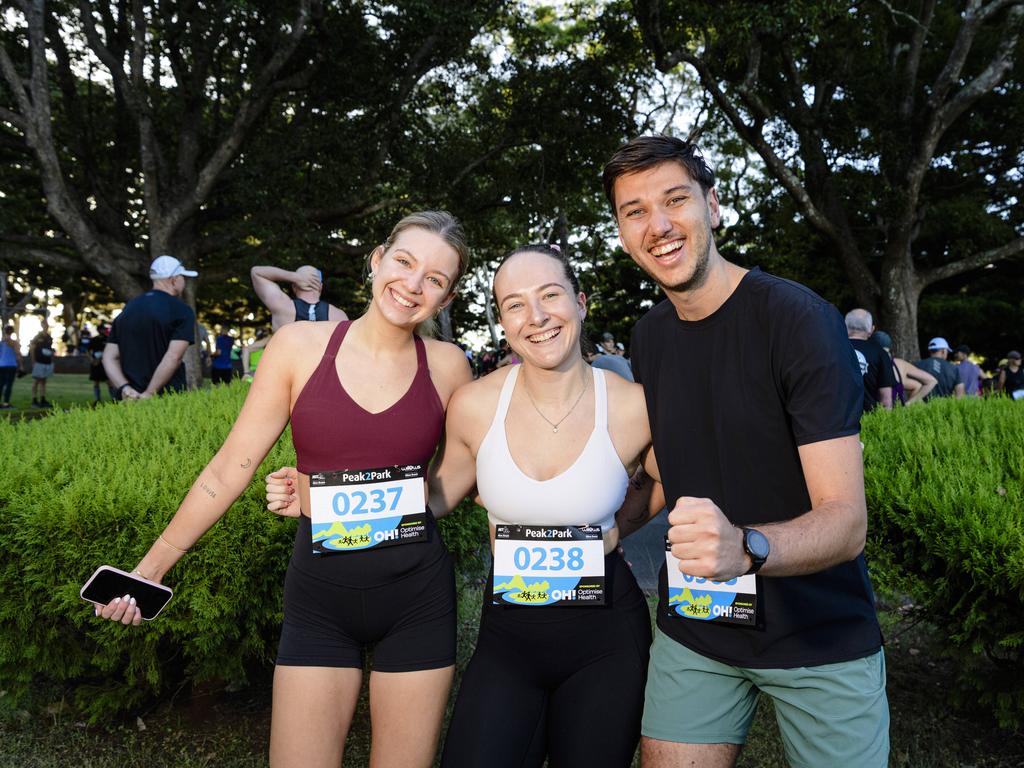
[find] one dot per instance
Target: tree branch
(13, 118)
(966, 264)
(12, 254)
(249, 110)
(944, 114)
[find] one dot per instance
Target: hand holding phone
(137, 598)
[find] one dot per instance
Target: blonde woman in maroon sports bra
(366, 400)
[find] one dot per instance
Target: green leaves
(94, 487)
(945, 492)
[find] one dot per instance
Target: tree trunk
(901, 292)
(491, 325)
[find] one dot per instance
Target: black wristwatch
(756, 545)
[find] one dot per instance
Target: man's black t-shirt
(875, 367)
(731, 398)
(144, 330)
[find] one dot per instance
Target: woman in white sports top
(560, 664)
(561, 660)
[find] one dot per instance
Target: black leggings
(564, 683)
(7, 374)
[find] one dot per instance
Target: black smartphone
(109, 582)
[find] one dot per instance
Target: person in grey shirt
(937, 365)
(600, 359)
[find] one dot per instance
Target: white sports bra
(588, 493)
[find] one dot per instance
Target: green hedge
(90, 487)
(945, 492)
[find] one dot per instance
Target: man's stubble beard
(699, 275)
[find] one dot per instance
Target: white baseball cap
(164, 267)
(938, 343)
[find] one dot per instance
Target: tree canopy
(870, 149)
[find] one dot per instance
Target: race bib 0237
(358, 509)
(536, 565)
(726, 602)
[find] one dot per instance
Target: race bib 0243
(358, 509)
(726, 602)
(537, 565)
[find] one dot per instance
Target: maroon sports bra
(331, 431)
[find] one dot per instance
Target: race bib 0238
(726, 602)
(358, 509)
(537, 565)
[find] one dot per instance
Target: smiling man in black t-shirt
(754, 397)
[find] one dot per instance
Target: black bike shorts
(330, 619)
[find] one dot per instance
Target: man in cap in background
(1011, 377)
(947, 374)
(148, 339)
(307, 285)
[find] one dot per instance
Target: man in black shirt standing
(148, 339)
(754, 397)
(875, 363)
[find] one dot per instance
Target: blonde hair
(445, 226)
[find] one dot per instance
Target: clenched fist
(704, 541)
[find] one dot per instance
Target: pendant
(554, 429)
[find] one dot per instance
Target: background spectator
(946, 374)
(970, 373)
(307, 304)
(148, 339)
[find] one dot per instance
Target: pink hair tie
(555, 247)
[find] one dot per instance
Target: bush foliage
(945, 493)
(944, 487)
(93, 487)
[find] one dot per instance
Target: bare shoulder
(449, 368)
(628, 424)
(625, 395)
(472, 407)
(443, 352)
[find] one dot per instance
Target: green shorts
(833, 714)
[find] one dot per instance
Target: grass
(62, 389)
(217, 727)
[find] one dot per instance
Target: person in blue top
(221, 368)
(10, 362)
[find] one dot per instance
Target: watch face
(757, 544)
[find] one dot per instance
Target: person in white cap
(937, 365)
(148, 339)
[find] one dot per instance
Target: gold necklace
(554, 424)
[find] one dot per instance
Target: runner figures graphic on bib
(356, 509)
(548, 565)
(725, 602)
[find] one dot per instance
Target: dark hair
(545, 249)
(645, 152)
